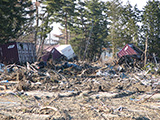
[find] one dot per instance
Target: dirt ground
(85, 96)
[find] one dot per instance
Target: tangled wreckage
(131, 56)
(71, 89)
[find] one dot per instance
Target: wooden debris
(48, 107)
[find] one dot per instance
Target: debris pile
(70, 89)
(78, 90)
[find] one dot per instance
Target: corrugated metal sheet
(26, 52)
(127, 50)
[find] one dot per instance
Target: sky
(140, 5)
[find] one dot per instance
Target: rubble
(78, 90)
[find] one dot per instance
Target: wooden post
(146, 46)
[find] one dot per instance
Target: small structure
(130, 49)
(57, 51)
(66, 50)
(17, 52)
(130, 56)
(51, 52)
(106, 55)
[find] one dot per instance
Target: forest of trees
(89, 25)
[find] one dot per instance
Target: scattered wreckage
(64, 70)
(132, 58)
(68, 89)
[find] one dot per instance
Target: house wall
(8, 53)
(26, 52)
(54, 54)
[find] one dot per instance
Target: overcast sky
(140, 3)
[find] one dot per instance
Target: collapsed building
(131, 56)
(58, 51)
(17, 52)
(130, 49)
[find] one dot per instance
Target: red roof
(48, 48)
(128, 50)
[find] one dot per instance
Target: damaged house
(58, 51)
(130, 55)
(17, 52)
(130, 49)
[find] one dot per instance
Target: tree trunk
(113, 42)
(146, 46)
(113, 48)
(87, 42)
(37, 23)
(42, 45)
(66, 31)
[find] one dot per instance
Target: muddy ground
(94, 93)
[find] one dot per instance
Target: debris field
(78, 91)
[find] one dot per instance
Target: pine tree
(151, 26)
(79, 29)
(130, 28)
(114, 12)
(123, 27)
(14, 16)
(61, 11)
(44, 29)
(90, 29)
